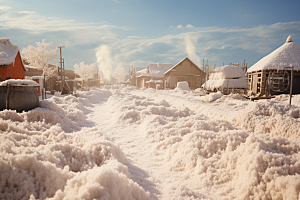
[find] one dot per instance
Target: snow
(226, 77)
(227, 72)
(154, 81)
(285, 56)
(156, 70)
(127, 143)
(183, 85)
(8, 51)
(19, 82)
(139, 71)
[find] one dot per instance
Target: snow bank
(39, 159)
(101, 183)
(213, 154)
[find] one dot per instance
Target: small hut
(272, 74)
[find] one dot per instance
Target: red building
(11, 64)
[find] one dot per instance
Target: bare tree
(85, 71)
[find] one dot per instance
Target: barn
(187, 71)
(11, 64)
(272, 74)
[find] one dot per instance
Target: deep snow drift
(127, 143)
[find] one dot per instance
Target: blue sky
(138, 32)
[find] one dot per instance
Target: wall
(16, 70)
(185, 71)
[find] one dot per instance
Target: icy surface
(285, 56)
(8, 51)
(127, 143)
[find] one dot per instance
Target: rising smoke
(105, 62)
(191, 49)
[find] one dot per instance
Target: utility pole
(62, 71)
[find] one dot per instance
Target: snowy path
(131, 143)
(157, 133)
(127, 143)
(146, 165)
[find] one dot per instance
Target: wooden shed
(187, 71)
(272, 74)
(11, 64)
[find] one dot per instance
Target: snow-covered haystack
(286, 55)
(227, 72)
(226, 77)
(39, 160)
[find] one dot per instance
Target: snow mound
(132, 109)
(97, 183)
(211, 97)
(39, 159)
(216, 156)
(183, 85)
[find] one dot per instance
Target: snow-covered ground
(128, 143)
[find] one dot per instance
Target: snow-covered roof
(139, 70)
(159, 69)
(156, 70)
(8, 51)
(285, 56)
(227, 72)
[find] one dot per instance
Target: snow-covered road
(127, 143)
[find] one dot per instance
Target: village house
(272, 74)
(153, 73)
(11, 64)
(135, 72)
(187, 71)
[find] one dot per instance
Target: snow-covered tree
(85, 71)
(42, 57)
(120, 73)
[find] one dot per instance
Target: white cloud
(189, 26)
(195, 42)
